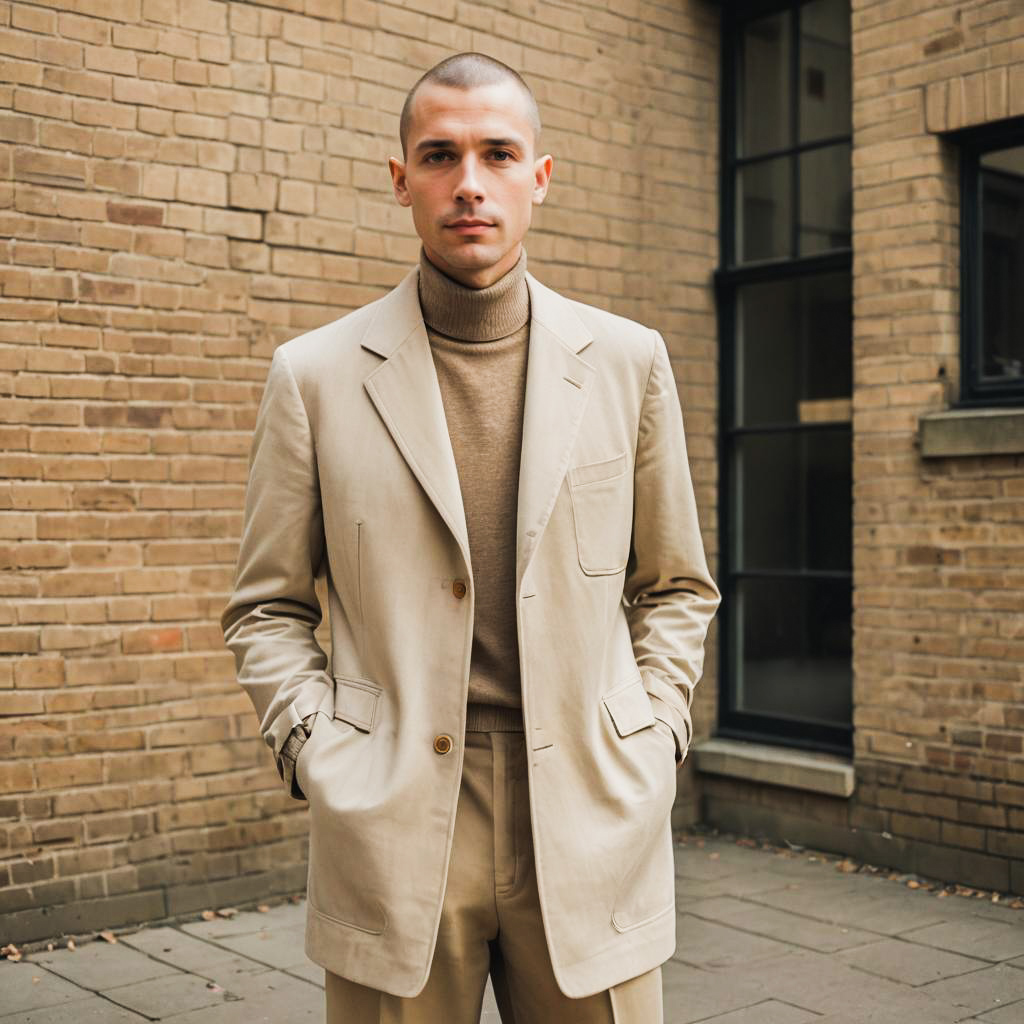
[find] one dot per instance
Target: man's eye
(502, 153)
(430, 157)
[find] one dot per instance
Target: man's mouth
(470, 226)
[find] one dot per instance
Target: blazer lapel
(405, 391)
(558, 384)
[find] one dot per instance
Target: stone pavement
(766, 936)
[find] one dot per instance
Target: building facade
(818, 204)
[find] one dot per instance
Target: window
(992, 264)
(785, 316)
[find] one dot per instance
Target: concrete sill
(778, 766)
(972, 432)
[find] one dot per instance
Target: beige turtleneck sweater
(479, 338)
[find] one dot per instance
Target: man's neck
(480, 278)
(474, 314)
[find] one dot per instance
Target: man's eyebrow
(434, 144)
(449, 143)
(512, 140)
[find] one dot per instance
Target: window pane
(793, 351)
(1002, 265)
(825, 91)
(792, 500)
(764, 209)
(795, 652)
(764, 93)
(826, 202)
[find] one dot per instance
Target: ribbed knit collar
(474, 314)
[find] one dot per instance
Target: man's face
(471, 178)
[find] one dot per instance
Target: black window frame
(727, 279)
(973, 143)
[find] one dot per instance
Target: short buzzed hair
(469, 71)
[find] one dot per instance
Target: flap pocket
(593, 472)
(630, 709)
(355, 701)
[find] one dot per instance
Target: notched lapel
(558, 385)
(405, 390)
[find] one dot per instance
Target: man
(494, 479)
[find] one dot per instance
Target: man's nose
(469, 188)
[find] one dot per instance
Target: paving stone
(707, 944)
(243, 923)
(902, 1014)
(1012, 1014)
(828, 985)
(987, 989)
(695, 995)
(25, 985)
(91, 1010)
(276, 947)
(162, 997)
(268, 998)
(490, 1013)
(100, 965)
(975, 936)
(227, 972)
(178, 948)
(777, 924)
(768, 1012)
(743, 883)
(309, 971)
(857, 902)
(908, 962)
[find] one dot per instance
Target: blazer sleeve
(270, 618)
(668, 593)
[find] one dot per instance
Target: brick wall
(938, 542)
(185, 184)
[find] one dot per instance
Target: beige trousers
(491, 921)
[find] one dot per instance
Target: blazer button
(442, 744)
(459, 588)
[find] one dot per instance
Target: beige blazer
(352, 470)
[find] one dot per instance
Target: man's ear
(398, 182)
(541, 177)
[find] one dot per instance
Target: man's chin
(471, 255)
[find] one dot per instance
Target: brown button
(442, 744)
(459, 588)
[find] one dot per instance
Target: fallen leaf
(49, 947)
(207, 915)
(109, 936)
(214, 987)
(263, 908)
(226, 912)
(71, 944)
(995, 897)
(1017, 905)
(714, 856)
(913, 884)
(846, 866)
(11, 951)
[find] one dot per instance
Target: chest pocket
(602, 511)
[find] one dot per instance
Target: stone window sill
(777, 766)
(972, 432)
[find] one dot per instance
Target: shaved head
(469, 71)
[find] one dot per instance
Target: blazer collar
(398, 314)
(405, 390)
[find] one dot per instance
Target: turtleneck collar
(474, 314)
